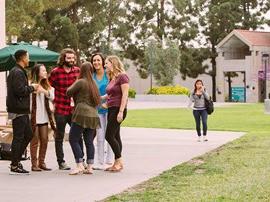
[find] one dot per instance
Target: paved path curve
(156, 149)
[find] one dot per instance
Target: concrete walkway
(146, 153)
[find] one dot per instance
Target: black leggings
(113, 131)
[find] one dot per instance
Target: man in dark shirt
(18, 108)
(61, 78)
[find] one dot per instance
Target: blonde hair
(117, 65)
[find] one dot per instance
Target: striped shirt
(61, 80)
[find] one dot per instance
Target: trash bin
(267, 106)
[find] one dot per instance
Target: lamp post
(151, 57)
(265, 57)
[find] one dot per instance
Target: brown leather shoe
(44, 167)
(36, 169)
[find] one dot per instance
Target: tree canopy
(185, 32)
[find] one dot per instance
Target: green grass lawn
(238, 171)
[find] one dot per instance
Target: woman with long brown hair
(41, 115)
(85, 118)
(117, 97)
(198, 97)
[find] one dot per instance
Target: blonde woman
(117, 97)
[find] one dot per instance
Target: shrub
(131, 93)
(169, 90)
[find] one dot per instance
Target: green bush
(169, 90)
(131, 93)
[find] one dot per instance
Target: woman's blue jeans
(200, 115)
(75, 135)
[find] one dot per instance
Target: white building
(3, 91)
(247, 54)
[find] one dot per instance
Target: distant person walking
(18, 108)
(117, 98)
(102, 81)
(60, 79)
(41, 115)
(198, 97)
(85, 118)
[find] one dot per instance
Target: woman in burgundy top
(117, 97)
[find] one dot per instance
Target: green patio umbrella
(36, 55)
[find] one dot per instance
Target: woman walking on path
(117, 97)
(102, 81)
(85, 118)
(198, 97)
(41, 115)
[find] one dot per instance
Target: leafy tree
(162, 62)
(20, 14)
(191, 63)
(218, 18)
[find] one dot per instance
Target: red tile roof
(255, 38)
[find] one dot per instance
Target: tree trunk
(214, 71)
(160, 20)
(230, 86)
(109, 20)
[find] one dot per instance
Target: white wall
(3, 91)
(143, 85)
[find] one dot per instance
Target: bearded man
(61, 78)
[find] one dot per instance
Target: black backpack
(5, 152)
(209, 105)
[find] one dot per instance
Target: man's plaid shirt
(61, 80)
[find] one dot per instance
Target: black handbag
(209, 105)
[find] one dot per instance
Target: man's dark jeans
(22, 135)
(61, 122)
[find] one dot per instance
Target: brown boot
(43, 133)
(33, 151)
(44, 167)
(36, 169)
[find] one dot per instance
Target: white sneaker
(199, 138)
(205, 139)
(109, 162)
(98, 166)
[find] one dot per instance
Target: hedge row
(169, 90)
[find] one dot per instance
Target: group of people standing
(92, 99)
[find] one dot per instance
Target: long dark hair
(195, 88)
(35, 77)
(102, 58)
(62, 57)
(93, 90)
